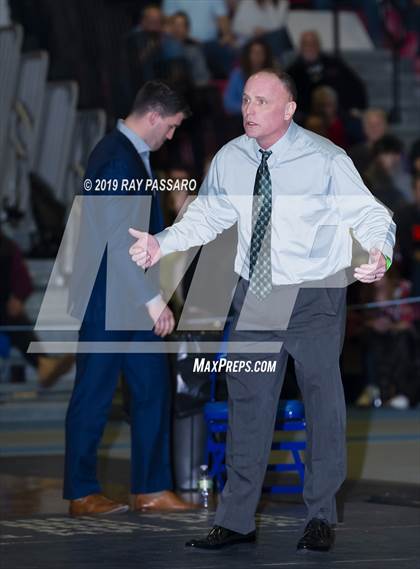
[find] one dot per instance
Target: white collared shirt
(318, 201)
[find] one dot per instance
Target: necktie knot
(265, 154)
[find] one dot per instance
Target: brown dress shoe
(160, 501)
(95, 504)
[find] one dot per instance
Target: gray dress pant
(311, 330)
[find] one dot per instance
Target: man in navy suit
(119, 169)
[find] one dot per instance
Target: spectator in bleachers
(316, 124)
(15, 288)
(173, 268)
(381, 175)
(313, 68)
(264, 19)
(342, 128)
(151, 52)
(174, 200)
(209, 18)
(325, 105)
(151, 19)
(408, 220)
(256, 55)
(210, 25)
(178, 26)
(375, 126)
(390, 345)
(254, 18)
(402, 25)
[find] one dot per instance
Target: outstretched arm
(370, 221)
(206, 217)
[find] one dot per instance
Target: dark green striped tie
(260, 256)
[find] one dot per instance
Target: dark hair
(182, 14)
(160, 97)
(286, 80)
(388, 144)
(143, 9)
(246, 56)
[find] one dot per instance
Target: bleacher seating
(24, 123)
(54, 143)
(41, 131)
(376, 69)
(10, 46)
(353, 35)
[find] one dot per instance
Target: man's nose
(249, 109)
(170, 135)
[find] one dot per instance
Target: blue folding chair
(4, 346)
(290, 417)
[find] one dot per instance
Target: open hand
(373, 270)
(145, 252)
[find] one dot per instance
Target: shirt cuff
(163, 240)
(387, 251)
(153, 300)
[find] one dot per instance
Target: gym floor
(379, 506)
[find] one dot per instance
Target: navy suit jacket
(104, 239)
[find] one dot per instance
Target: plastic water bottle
(204, 485)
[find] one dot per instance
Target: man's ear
(153, 117)
(290, 110)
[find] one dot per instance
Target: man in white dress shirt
(298, 201)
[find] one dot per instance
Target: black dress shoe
(219, 537)
(318, 536)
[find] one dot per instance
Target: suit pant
(147, 376)
(314, 339)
